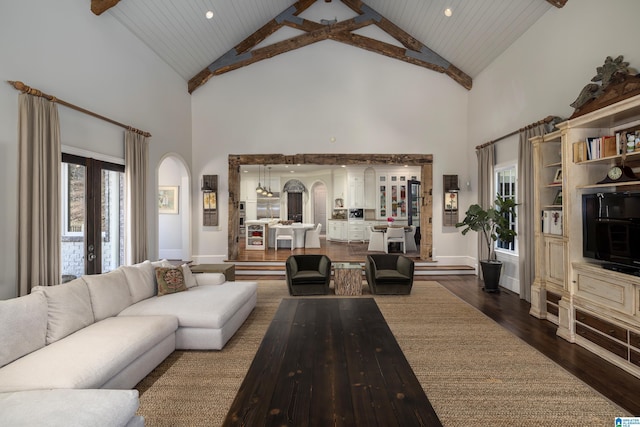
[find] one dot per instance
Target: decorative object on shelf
(390, 221)
(558, 199)
(619, 174)
(209, 190)
(617, 82)
(168, 202)
(493, 224)
(557, 178)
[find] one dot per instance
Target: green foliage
(492, 223)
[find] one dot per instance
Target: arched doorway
(174, 217)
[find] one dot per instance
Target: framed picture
(209, 200)
(451, 201)
(558, 199)
(558, 176)
(168, 200)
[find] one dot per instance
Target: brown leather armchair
(308, 274)
(389, 274)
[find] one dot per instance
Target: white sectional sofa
(109, 331)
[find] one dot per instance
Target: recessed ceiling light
(448, 12)
(209, 14)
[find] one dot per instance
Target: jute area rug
(474, 372)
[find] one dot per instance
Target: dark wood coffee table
(330, 362)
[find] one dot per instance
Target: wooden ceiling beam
(414, 53)
(558, 3)
(100, 6)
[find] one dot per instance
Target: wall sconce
(209, 190)
(450, 202)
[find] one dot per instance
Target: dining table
(299, 230)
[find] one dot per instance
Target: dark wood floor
(337, 251)
(508, 310)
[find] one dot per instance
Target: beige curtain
(526, 215)
(39, 160)
(486, 193)
(136, 169)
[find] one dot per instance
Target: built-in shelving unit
(593, 307)
(256, 237)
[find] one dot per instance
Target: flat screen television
(611, 230)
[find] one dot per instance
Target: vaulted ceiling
(414, 31)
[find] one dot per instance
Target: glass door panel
(92, 206)
(73, 203)
(112, 207)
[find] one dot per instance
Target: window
(506, 187)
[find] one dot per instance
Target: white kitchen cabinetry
(356, 231)
(356, 189)
(337, 230)
(339, 188)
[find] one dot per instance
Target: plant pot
(491, 274)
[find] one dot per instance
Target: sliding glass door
(92, 216)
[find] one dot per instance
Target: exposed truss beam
(99, 6)
(558, 3)
(414, 51)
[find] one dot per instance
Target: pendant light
(259, 187)
(269, 193)
(264, 188)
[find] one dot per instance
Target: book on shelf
(579, 151)
(596, 147)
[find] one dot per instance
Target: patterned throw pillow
(170, 280)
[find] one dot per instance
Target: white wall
(63, 49)
(295, 102)
(545, 70)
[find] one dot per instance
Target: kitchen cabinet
(356, 189)
(355, 231)
(337, 230)
(256, 237)
(339, 188)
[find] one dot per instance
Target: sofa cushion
(141, 280)
(109, 293)
(68, 407)
(23, 326)
(189, 280)
(170, 280)
(209, 306)
(69, 308)
(90, 357)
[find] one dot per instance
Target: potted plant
(492, 224)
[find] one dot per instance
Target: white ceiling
(476, 33)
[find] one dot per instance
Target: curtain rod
(539, 122)
(35, 92)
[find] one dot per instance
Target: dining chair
(395, 235)
(312, 237)
(285, 234)
(376, 240)
(410, 238)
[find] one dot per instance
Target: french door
(92, 205)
